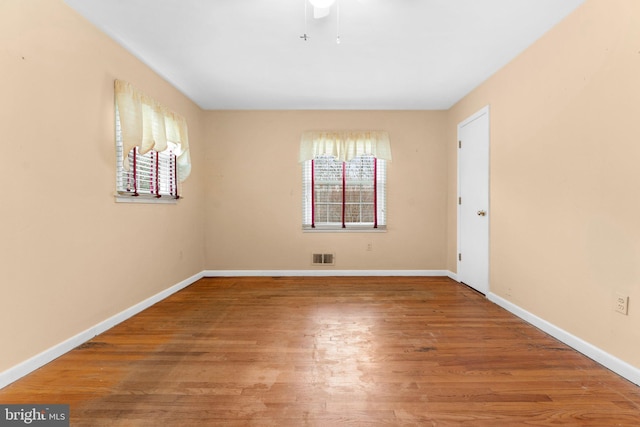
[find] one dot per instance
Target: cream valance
(345, 145)
(148, 125)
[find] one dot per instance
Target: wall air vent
(322, 259)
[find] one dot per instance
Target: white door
(473, 201)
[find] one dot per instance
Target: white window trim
(120, 198)
(348, 229)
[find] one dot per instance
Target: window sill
(352, 229)
(121, 198)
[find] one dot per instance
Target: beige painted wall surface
(66, 252)
(254, 188)
(565, 180)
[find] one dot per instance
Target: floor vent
(322, 259)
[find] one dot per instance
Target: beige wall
(565, 175)
(66, 257)
(253, 203)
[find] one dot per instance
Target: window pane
(359, 193)
(359, 213)
(367, 213)
(352, 213)
(335, 212)
(328, 193)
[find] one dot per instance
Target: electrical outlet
(369, 246)
(622, 303)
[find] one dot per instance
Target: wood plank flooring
(318, 351)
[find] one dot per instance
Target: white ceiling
(394, 54)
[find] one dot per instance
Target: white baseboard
(607, 360)
(325, 273)
(16, 372)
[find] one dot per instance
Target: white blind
(381, 189)
(148, 125)
(328, 190)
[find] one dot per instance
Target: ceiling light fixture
(305, 36)
(322, 4)
(321, 9)
(338, 22)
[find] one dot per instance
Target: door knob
(482, 213)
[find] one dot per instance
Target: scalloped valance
(147, 124)
(345, 145)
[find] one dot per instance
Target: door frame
(483, 111)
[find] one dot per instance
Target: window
(344, 177)
(151, 145)
(153, 174)
(344, 194)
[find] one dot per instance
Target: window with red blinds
(344, 195)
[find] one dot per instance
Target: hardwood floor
(340, 351)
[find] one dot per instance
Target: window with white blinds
(150, 175)
(152, 148)
(344, 194)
